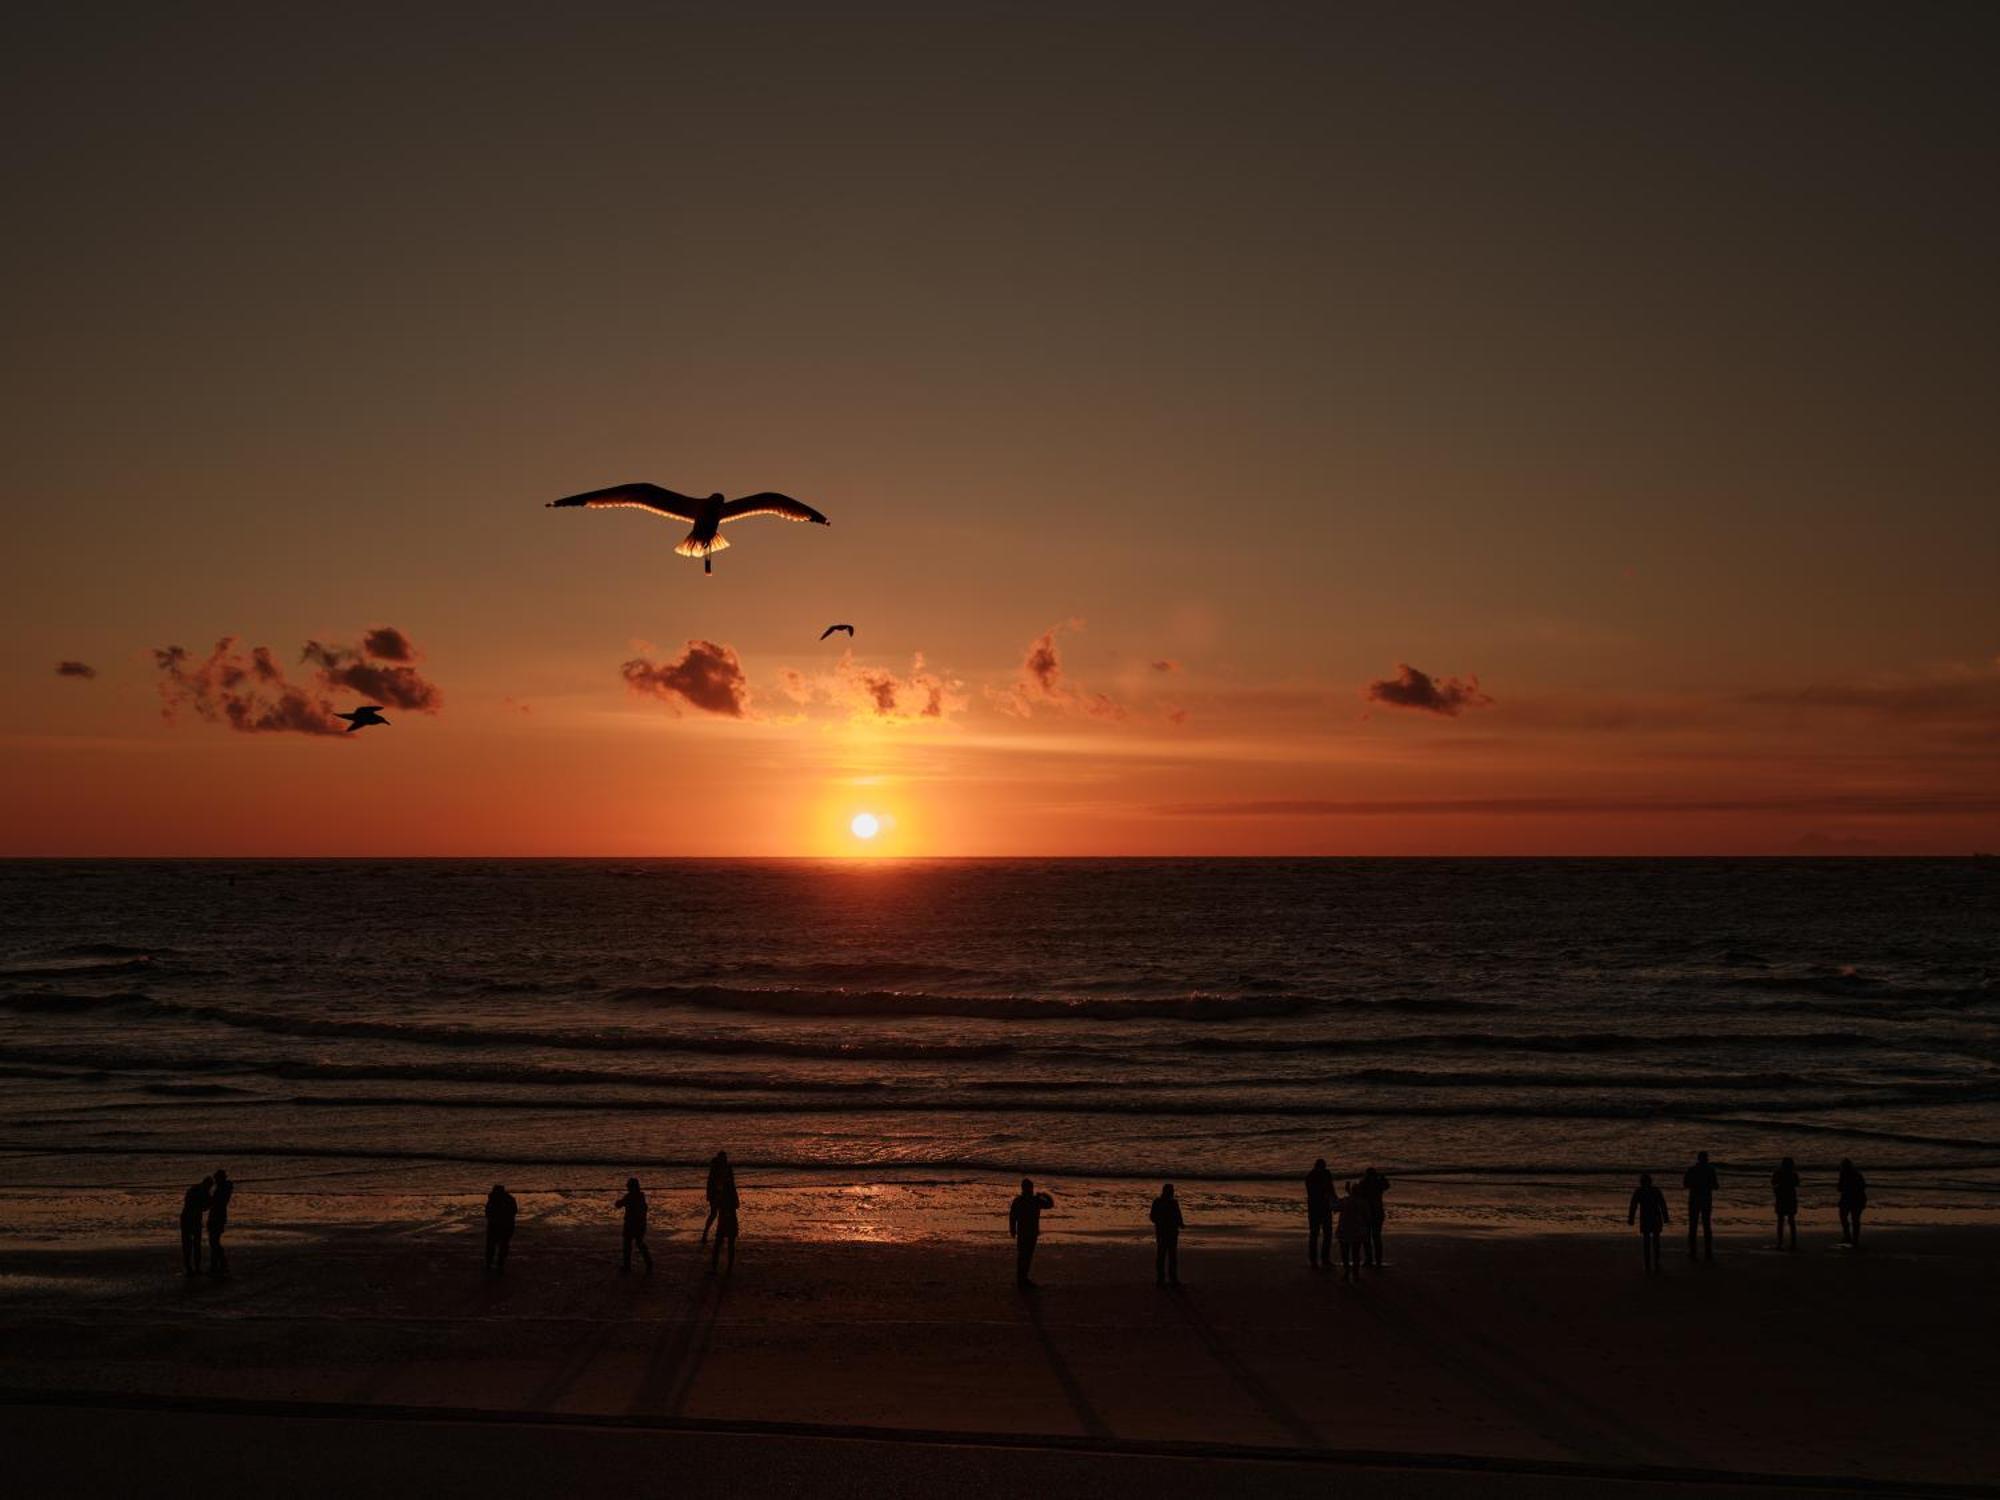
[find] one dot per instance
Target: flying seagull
(706, 516)
(361, 718)
(832, 628)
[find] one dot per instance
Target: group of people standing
(1648, 1208)
(207, 1200)
(1351, 1218)
(502, 1210)
(1348, 1215)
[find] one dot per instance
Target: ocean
(1542, 1026)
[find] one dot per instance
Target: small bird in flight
(706, 516)
(361, 718)
(832, 628)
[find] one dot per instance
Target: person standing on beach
(1785, 1195)
(1351, 1228)
(722, 1203)
(1649, 1208)
(221, 1190)
(1853, 1198)
(501, 1210)
(1024, 1223)
(1373, 1186)
(1167, 1226)
(634, 1204)
(1700, 1181)
(719, 1172)
(1319, 1215)
(194, 1203)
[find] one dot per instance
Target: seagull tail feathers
(694, 546)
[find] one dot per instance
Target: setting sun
(865, 825)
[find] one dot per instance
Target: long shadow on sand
(1267, 1400)
(1087, 1415)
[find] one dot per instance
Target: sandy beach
(1549, 1353)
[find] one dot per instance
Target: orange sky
(1640, 375)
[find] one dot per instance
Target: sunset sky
(1330, 429)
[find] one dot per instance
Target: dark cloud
(705, 676)
(1042, 683)
(1166, 664)
(249, 694)
(387, 643)
(1410, 688)
(75, 669)
(362, 670)
(252, 695)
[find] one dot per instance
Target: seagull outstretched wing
(771, 503)
(832, 628)
(660, 501)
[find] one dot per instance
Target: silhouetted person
(1649, 1208)
(719, 1172)
(1700, 1182)
(1024, 1222)
(1319, 1215)
(1853, 1198)
(501, 1210)
(194, 1203)
(723, 1203)
(1372, 1187)
(634, 1204)
(1350, 1230)
(1167, 1226)
(1785, 1197)
(219, 1194)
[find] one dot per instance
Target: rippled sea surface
(1513, 1018)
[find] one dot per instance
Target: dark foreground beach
(345, 1356)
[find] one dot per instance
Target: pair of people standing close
(722, 1206)
(722, 1203)
(208, 1198)
(501, 1211)
(1024, 1223)
(1850, 1184)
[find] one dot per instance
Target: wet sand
(1526, 1350)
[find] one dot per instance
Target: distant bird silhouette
(362, 717)
(832, 628)
(706, 516)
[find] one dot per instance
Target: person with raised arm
(1024, 1223)
(634, 1231)
(1373, 1187)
